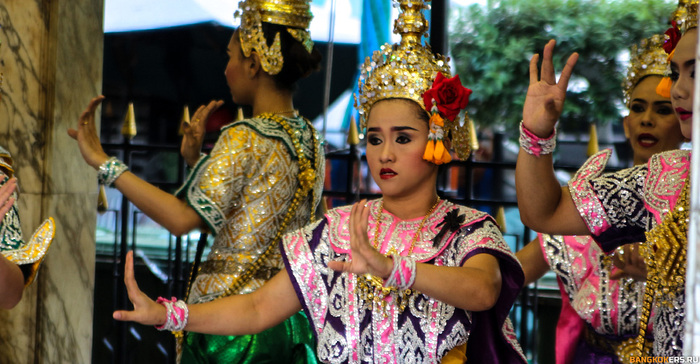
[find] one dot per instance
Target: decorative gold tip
(129, 127)
(473, 138)
(592, 141)
(501, 219)
(102, 204)
(184, 120)
(353, 135)
(239, 115)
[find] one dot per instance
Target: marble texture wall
(52, 61)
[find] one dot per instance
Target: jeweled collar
(400, 231)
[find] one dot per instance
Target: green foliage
(491, 46)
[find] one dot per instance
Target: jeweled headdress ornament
(685, 17)
(293, 14)
(410, 70)
(647, 58)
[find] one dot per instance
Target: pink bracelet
(403, 274)
(177, 314)
(532, 144)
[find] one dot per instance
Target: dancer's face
(236, 73)
(652, 125)
(396, 140)
(683, 76)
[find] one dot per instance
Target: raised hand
(193, 132)
(6, 199)
(146, 311)
(545, 96)
(363, 257)
(86, 135)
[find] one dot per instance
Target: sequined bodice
(243, 191)
(610, 307)
(619, 207)
(351, 330)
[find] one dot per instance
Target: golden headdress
(293, 14)
(686, 15)
(408, 70)
(647, 58)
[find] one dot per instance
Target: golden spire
(184, 120)
(102, 204)
(473, 138)
(353, 136)
(501, 219)
(592, 141)
(129, 127)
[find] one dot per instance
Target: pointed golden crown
(686, 15)
(646, 59)
(405, 70)
(294, 14)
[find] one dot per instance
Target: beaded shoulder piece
(665, 256)
(6, 162)
(664, 182)
(33, 253)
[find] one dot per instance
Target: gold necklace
(391, 251)
(370, 288)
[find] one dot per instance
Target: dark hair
(298, 62)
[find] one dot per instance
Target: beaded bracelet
(532, 144)
(110, 170)
(177, 314)
(403, 274)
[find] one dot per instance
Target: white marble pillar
(52, 60)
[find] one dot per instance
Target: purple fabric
(585, 354)
(481, 348)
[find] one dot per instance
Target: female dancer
(618, 208)
(599, 316)
(405, 278)
(262, 179)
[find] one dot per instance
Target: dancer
(405, 278)
(620, 207)
(262, 178)
(19, 259)
(600, 308)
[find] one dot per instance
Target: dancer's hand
(6, 199)
(363, 257)
(146, 311)
(86, 135)
(630, 263)
(545, 96)
(193, 132)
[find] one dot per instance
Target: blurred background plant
(492, 43)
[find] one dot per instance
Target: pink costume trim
(668, 172)
(532, 144)
(403, 273)
(589, 206)
(176, 314)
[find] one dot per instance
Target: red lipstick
(683, 114)
(386, 173)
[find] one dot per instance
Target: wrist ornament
(532, 144)
(403, 274)
(110, 170)
(176, 312)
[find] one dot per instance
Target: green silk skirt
(289, 342)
